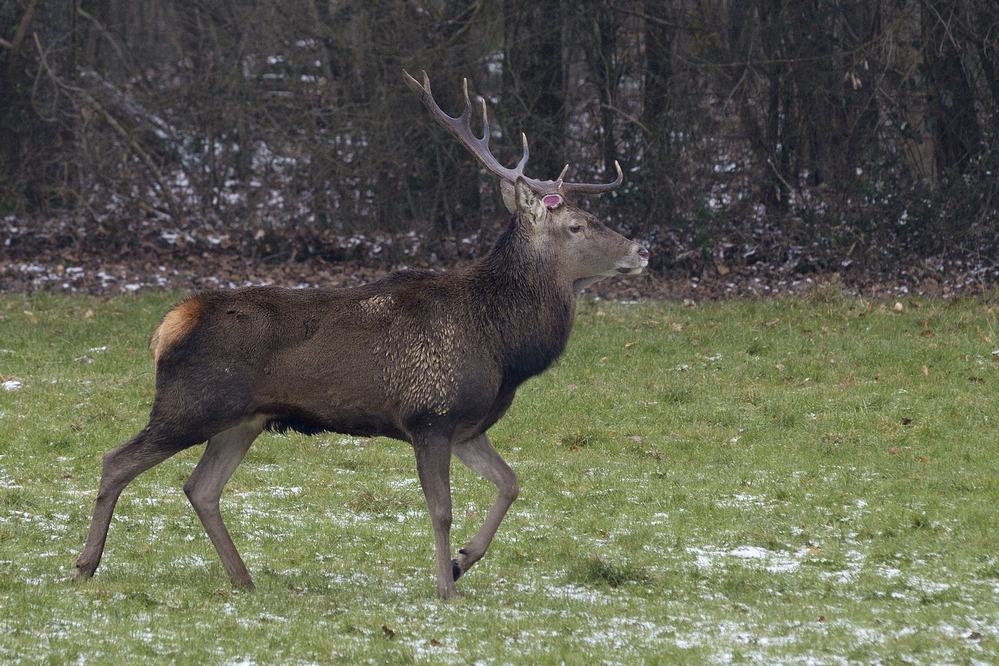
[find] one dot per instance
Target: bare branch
(90, 101)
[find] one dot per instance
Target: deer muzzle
(635, 261)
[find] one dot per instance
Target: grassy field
(787, 482)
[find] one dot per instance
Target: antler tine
(485, 123)
(524, 157)
(468, 103)
(561, 176)
(410, 81)
(596, 188)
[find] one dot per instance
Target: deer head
(584, 248)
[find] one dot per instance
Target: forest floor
(102, 275)
(768, 481)
(56, 255)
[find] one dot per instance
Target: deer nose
(643, 253)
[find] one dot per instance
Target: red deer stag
(433, 359)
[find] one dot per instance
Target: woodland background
(764, 141)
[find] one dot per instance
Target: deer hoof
(456, 569)
(84, 570)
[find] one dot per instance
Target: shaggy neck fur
(523, 302)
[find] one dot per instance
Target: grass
(772, 481)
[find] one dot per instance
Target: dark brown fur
(256, 349)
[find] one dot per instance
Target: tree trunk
(659, 157)
(951, 99)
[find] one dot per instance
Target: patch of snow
(192, 560)
(8, 484)
(575, 593)
(774, 562)
(741, 500)
(279, 491)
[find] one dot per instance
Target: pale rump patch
(176, 325)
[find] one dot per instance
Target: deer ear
(521, 199)
(509, 195)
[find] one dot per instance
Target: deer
(430, 358)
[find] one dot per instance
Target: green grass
(748, 482)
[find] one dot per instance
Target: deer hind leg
(121, 465)
(222, 456)
(479, 455)
(433, 464)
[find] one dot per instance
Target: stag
(433, 359)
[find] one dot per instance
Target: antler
(461, 128)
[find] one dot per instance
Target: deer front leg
(433, 463)
(479, 455)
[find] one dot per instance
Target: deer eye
(576, 228)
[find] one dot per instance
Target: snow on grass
(711, 557)
(626, 635)
(7, 483)
(573, 592)
(742, 500)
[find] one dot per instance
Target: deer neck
(527, 308)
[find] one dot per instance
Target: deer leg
(222, 456)
(433, 464)
(121, 466)
(479, 455)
